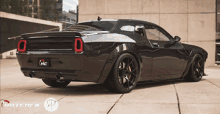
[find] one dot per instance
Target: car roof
(138, 21)
(100, 20)
(130, 20)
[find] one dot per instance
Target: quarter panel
(119, 49)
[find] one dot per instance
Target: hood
(190, 47)
(194, 48)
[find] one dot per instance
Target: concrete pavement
(178, 97)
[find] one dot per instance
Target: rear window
(92, 26)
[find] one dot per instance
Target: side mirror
(177, 39)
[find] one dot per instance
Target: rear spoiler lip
(34, 37)
(50, 34)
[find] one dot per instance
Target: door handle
(155, 44)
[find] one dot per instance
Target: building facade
(194, 21)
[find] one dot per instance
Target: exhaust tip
(59, 77)
(31, 74)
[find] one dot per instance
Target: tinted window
(154, 34)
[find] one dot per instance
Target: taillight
(22, 45)
(78, 45)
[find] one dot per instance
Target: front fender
(193, 52)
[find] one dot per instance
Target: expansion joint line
(213, 83)
(62, 97)
(114, 104)
(178, 102)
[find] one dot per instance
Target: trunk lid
(51, 41)
(50, 34)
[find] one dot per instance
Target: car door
(168, 61)
(143, 50)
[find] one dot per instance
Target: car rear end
(63, 54)
(45, 55)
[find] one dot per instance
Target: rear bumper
(66, 74)
(70, 66)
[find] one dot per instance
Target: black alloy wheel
(125, 74)
(198, 67)
(196, 70)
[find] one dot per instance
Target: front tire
(196, 70)
(124, 75)
(54, 83)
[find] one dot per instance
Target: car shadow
(144, 85)
(94, 89)
(87, 89)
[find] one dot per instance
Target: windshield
(92, 26)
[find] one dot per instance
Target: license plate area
(43, 62)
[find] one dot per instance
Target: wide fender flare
(193, 52)
(120, 49)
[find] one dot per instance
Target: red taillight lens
(78, 45)
(22, 45)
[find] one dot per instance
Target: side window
(155, 34)
(127, 28)
(152, 34)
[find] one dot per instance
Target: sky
(70, 5)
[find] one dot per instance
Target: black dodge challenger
(115, 53)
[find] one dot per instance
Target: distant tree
(15, 6)
(19, 7)
(72, 11)
(45, 9)
(25, 8)
(55, 12)
(4, 5)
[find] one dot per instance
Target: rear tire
(54, 83)
(124, 75)
(196, 70)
